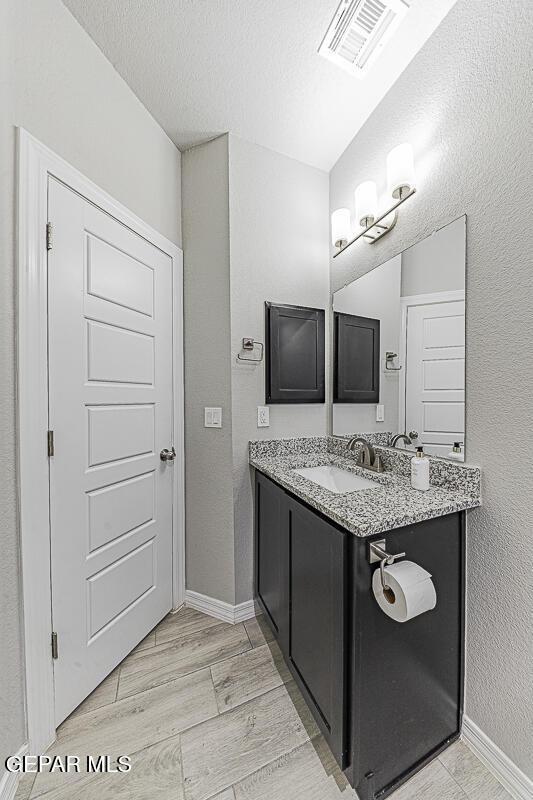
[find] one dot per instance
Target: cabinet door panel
(270, 514)
(408, 677)
(317, 619)
(294, 354)
(356, 364)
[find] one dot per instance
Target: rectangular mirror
(399, 347)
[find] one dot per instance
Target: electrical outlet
(212, 417)
(263, 416)
(380, 412)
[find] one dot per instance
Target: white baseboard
(218, 608)
(510, 776)
(10, 780)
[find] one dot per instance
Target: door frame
(405, 303)
(36, 163)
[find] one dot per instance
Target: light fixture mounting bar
(376, 224)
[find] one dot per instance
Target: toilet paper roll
(411, 591)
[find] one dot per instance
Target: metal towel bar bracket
(377, 553)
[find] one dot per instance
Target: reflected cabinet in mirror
(399, 347)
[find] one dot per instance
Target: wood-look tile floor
(208, 711)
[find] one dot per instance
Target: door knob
(167, 455)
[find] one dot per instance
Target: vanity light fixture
(366, 203)
(340, 227)
(373, 225)
(400, 170)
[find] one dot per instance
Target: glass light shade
(366, 203)
(340, 227)
(400, 170)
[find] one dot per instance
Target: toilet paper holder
(378, 553)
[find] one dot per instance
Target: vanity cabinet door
(270, 569)
(316, 552)
(408, 677)
(356, 359)
(294, 354)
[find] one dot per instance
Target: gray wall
(255, 227)
(57, 84)
(465, 104)
(208, 451)
(437, 263)
(279, 252)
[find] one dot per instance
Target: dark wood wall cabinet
(356, 359)
(387, 696)
(294, 354)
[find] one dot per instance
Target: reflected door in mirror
(435, 374)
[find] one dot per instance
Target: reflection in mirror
(399, 347)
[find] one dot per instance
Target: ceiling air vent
(359, 30)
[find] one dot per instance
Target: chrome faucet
(400, 436)
(368, 458)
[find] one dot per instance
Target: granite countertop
(393, 503)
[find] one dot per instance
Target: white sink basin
(336, 479)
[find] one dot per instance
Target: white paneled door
(435, 375)
(110, 408)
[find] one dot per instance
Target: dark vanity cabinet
(270, 508)
(356, 359)
(300, 582)
(295, 364)
(315, 554)
(386, 695)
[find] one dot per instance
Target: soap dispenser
(420, 471)
(457, 454)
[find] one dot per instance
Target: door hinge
(50, 437)
(49, 236)
(55, 651)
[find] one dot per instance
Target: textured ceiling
(204, 67)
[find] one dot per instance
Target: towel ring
(389, 358)
(249, 345)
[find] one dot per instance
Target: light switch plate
(263, 416)
(380, 412)
(212, 417)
